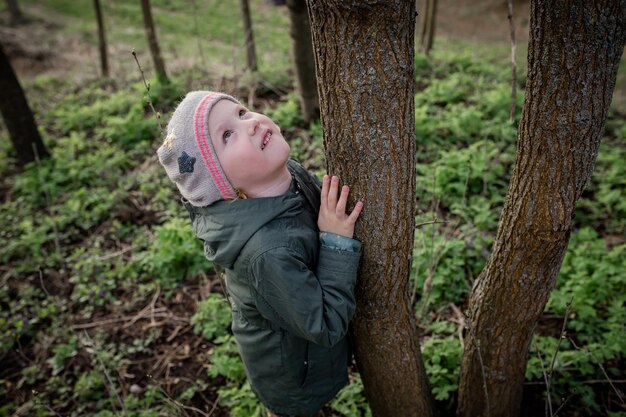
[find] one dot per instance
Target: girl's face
(249, 146)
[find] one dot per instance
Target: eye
(242, 112)
(226, 135)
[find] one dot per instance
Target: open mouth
(266, 138)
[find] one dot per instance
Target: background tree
(304, 60)
(247, 26)
(15, 14)
(364, 62)
(17, 115)
(102, 42)
(429, 21)
(159, 65)
(573, 56)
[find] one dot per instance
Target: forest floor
(42, 46)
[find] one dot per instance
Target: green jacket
(292, 298)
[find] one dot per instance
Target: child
(288, 251)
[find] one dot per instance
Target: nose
(252, 124)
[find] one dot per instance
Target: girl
(288, 251)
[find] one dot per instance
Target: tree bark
(364, 62)
(159, 65)
(102, 42)
(428, 27)
(247, 26)
(18, 116)
(573, 56)
(15, 14)
(304, 60)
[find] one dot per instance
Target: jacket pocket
(325, 366)
(295, 358)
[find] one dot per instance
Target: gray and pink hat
(187, 153)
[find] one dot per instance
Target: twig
(158, 313)
(217, 400)
(461, 321)
(556, 351)
(482, 370)
(547, 382)
(586, 381)
(556, 413)
(186, 407)
(106, 373)
(114, 254)
(514, 65)
(197, 32)
(417, 226)
(43, 287)
(619, 395)
(147, 85)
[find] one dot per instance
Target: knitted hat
(187, 153)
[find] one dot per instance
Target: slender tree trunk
(159, 65)
(573, 55)
(364, 62)
(247, 26)
(428, 27)
(102, 42)
(17, 115)
(304, 60)
(15, 14)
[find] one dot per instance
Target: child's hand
(333, 217)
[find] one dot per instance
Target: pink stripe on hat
(206, 149)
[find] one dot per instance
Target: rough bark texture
(247, 25)
(573, 55)
(302, 47)
(364, 62)
(102, 41)
(17, 115)
(159, 65)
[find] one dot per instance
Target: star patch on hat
(185, 163)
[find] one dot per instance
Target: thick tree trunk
(102, 42)
(364, 62)
(573, 55)
(428, 26)
(304, 60)
(247, 26)
(159, 65)
(15, 14)
(17, 115)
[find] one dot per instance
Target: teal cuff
(338, 242)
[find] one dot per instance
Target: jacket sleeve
(315, 305)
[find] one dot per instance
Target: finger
(332, 194)
(343, 200)
(356, 212)
(324, 195)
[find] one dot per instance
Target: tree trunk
(247, 26)
(364, 62)
(15, 14)
(159, 65)
(17, 115)
(573, 55)
(428, 27)
(304, 60)
(102, 42)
